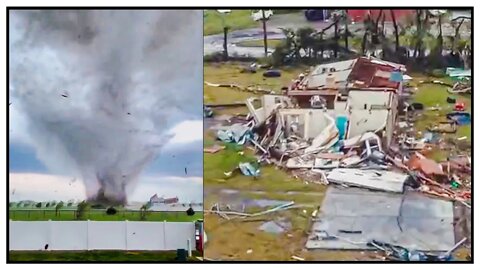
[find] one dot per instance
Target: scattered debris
(297, 258)
(341, 126)
(426, 166)
(275, 227)
(237, 133)
(451, 100)
(436, 82)
(372, 179)
(248, 169)
(272, 73)
(207, 112)
(460, 118)
(444, 127)
(213, 149)
(459, 107)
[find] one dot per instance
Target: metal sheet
(410, 220)
(373, 179)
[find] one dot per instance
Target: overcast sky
(153, 58)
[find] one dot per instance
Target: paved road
(214, 43)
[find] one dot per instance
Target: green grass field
(431, 95)
(231, 73)
(95, 256)
(231, 239)
(100, 215)
(237, 19)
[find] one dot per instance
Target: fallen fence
(100, 235)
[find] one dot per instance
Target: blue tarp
(341, 123)
(461, 118)
(396, 76)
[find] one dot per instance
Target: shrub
(111, 211)
(190, 211)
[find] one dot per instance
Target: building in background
(160, 200)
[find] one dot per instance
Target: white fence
(98, 235)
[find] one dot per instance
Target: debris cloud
(100, 89)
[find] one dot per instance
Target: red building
(358, 15)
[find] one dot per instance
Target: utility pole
(264, 22)
(225, 33)
(225, 50)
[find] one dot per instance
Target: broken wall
(262, 107)
(312, 121)
(364, 99)
(371, 111)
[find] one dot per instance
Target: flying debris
(185, 170)
(65, 95)
(9, 103)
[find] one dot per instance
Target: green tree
(305, 40)
(11, 204)
(38, 205)
(82, 208)
(143, 211)
(58, 207)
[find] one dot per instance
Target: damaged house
(344, 100)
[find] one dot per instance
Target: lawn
(236, 20)
(230, 240)
(431, 95)
(100, 215)
(271, 179)
(95, 256)
(231, 73)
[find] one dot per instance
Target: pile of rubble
(341, 125)
(281, 138)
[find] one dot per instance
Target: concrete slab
(410, 220)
